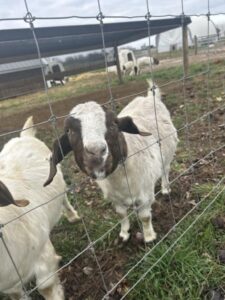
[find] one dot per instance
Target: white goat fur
(112, 69)
(128, 68)
(145, 167)
(144, 62)
(23, 168)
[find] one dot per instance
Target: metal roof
(21, 66)
(18, 44)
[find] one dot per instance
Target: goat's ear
(126, 124)
(58, 153)
(6, 198)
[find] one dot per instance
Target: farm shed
(19, 45)
(172, 39)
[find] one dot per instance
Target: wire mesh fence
(189, 121)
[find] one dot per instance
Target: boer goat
(103, 144)
(130, 68)
(112, 69)
(23, 165)
(145, 62)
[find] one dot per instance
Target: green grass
(191, 268)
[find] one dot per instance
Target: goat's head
(94, 134)
(6, 198)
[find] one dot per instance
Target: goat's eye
(103, 151)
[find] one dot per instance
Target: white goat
(130, 68)
(101, 142)
(146, 62)
(23, 165)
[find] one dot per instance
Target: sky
(51, 8)
(59, 8)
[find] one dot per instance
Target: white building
(172, 39)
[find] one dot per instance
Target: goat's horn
(52, 173)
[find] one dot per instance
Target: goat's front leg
(70, 213)
(125, 223)
(145, 215)
(165, 180)
(46, 274)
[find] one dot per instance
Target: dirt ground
(81, 283)
(202, 56)
(60, 108)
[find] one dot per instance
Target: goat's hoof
(73, 218)
(124, 236)
(166, 191)
(150, 237)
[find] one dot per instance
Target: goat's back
(24, 164)
(147, 113)
(143, 111)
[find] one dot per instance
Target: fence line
(111, 17)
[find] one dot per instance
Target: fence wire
(110, 17)
(53, 118)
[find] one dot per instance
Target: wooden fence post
(185, 48)
(118, 64)
(196, 44)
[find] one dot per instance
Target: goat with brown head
(95, 135)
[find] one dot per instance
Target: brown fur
(116, 143)
(72, 141)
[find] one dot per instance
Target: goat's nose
(95, 150)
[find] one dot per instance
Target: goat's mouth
(100, 171)
(98, 174)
